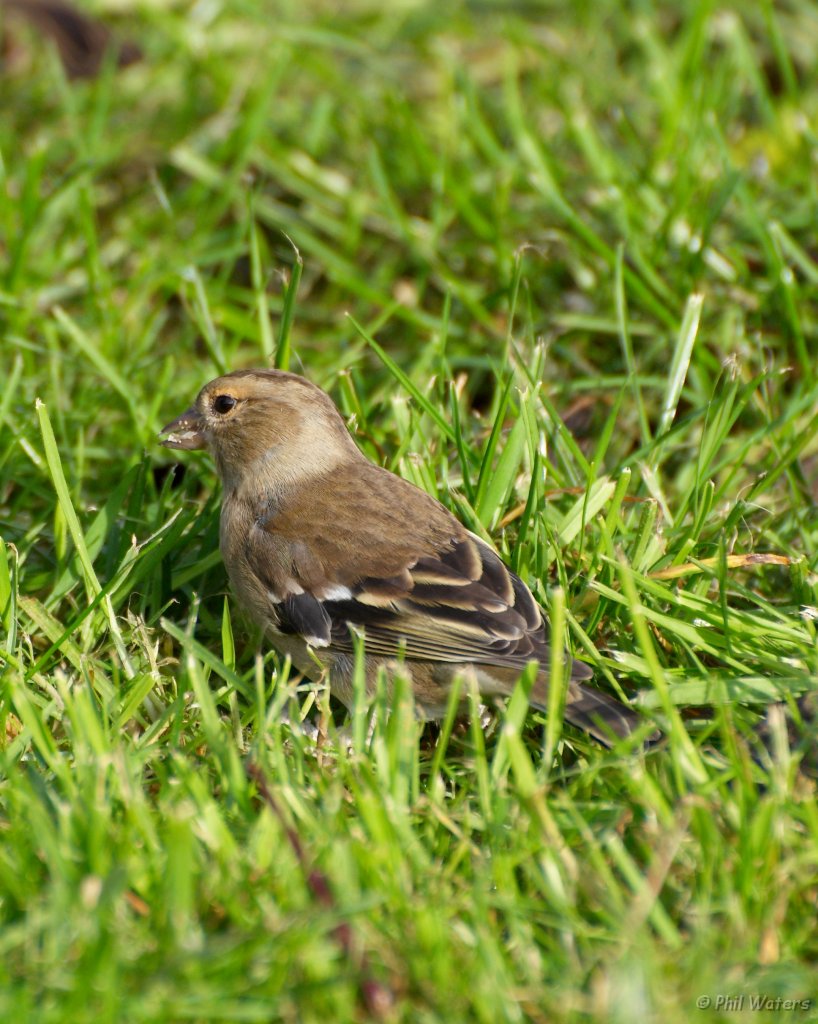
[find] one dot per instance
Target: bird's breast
(237, 520)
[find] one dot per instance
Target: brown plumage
(320, 543)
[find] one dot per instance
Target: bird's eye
(223, 404)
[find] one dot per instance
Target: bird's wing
(459, 604)
(392, 562)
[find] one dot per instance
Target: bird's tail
(603, 717)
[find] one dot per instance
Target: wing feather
(429, 590)
(461, 605)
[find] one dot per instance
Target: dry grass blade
(674, 572)
(375, 996)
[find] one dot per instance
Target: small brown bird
(319, 542)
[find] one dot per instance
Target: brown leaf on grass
(136, 903)
(13, 729)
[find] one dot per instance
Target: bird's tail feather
(603, 717)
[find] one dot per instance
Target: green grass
(557, 265)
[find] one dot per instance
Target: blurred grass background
(557, 265)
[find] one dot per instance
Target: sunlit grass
(556, 266)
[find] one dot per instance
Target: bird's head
(263, 427)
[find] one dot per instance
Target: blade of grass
(682, 351)
(405, 382)
(282, 354)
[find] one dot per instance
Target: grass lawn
(557, 264)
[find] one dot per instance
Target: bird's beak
(186, 431)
